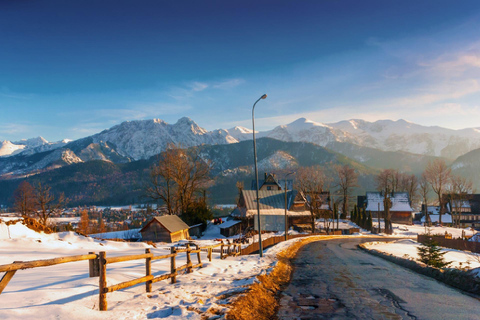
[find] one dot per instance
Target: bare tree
(176, 178)
(458, 191)
(347, 180)
(84, 224)
(409, 184)
(387, 181)
(46, 202)
(311, 182)
(424, 188)
(438, 175)
(24, 199)
(162, 181)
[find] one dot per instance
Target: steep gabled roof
(170, 222)
(272, 202)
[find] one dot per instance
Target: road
(335, 280)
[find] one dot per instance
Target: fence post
(198, 255)
(189, 259)
(209, 254)
(221, 251)
(173, 267)
(102, 282)
(93, 266)
(148, 272)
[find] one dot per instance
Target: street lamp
(286, 218)
(256, 176)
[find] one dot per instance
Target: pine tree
(358, 216)
(430, 254)
(369, 221)
(364, 218)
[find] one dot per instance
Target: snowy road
(335, 280)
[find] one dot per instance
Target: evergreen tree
(364, 218)
(369, 221)
(430, 254)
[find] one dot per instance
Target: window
(269, 188)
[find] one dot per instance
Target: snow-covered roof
(400, 201)
(229, 223)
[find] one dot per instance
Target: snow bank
(66, 292)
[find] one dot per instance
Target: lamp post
(286, 218)
(256, 176)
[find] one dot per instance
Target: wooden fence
(98, 267)
(452, 243)
(98, 263)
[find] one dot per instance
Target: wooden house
(270, 182)
(272, 209)
(401, 211)
(230, 228)
(168, 228)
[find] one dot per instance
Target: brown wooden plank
(128, 258)
(127, 284)
(164, 256)
(44, 263)
(6, 279)
(163, 277)
(102, 282)
(182, 267)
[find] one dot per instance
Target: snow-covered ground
(66, 292)
(409, 231)
(407, 248)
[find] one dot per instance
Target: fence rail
(98, 267)
(452, 243)
(98, 263)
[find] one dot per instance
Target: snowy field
(407, 249)
(66, 292)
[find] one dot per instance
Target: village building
(230, 228)
(464, 209)
(270, 182)
(401, 210)
(272, 209)
(169, 228)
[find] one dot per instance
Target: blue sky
(69, 69)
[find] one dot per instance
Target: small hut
(165, 229)
(230, 228)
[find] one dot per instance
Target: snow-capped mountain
(135, 140)
(385, 135)
(145, 138)
(8, 148)
(401, 135)
(29, 146)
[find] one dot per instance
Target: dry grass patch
(261, 301)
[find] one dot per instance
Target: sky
(69, 69)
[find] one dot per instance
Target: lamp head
(264, 96)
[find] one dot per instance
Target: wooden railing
(98, 267)
(458, 244)
(98, 264)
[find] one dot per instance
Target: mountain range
(367, 145)
(363, 141)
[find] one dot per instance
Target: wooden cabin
(169, 228)
(401, 211)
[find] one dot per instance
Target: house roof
(281, 183)
(400, 202)
(272, 202)
(229, 223)
(170, 222)
(268, 199)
